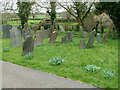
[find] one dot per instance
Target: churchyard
(63, 49)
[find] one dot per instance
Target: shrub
(6, 49)
(29, 56)
(108, 74)
(56, 61)
(92, 68)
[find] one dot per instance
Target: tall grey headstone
(15, 37)
(70, 36)
(82, 44)
(28, 45)
(62, 29)
(64, 39)
(98, 38)
(6, 31)
(53, 37)
(39, 38)
(91, 39)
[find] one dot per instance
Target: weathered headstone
(84, 34)
(28, 45)
(39, 37)
(70, 36)
(82, 44)
(46, 33)
(27, 32)
(53, 37)
(105, 37)
(15, 37)
(64, 39)
(91, 39)
(0, 31)
(62, 29)
(6, 31)
(34, 28)
(98, 38)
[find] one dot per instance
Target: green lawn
(104, 55)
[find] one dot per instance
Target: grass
(104, 55)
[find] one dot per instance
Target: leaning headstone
(98, 37)
(70, 36)
(53, 37)
(6, 31)
(105, 37)
(39, 37)
(91, 39)
(82, 44)
(15, 37)
(64, 39)
(62, 29)
(28, 45)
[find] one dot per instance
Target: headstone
(27, 32)
(0, 31)
(34, 28)
(53, 37)
(82, 44)
(105, 37)
(15, 37)
(6, 31)
(70, 36)
(64, 39)
(84, 34)
(39, 37)
(113, 32)
(62, 29)
(98, 38)
(28, 45)
(91, 39)
(46, 33)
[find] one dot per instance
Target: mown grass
(104, 55)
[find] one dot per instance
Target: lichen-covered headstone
(84, 33)
(46, 33)
(105, 37)
(82, 44)
(39, 37)
(91, 39)
(70, 36)
(64, 39)
(28, 45)
(6, 31)
(15, 37)
(53, 37)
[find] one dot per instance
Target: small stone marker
(91, 39)
(34, 28)
(6, 31)
(105, 37)
(70, 36)
(39, 37)
(53, 37)
(98, 37)
(62, 29)
(64, 39)
(28, 45)
(15, 37)
(82, 44)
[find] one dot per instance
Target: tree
(24, 11)
(112, 9)
(78, 10)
